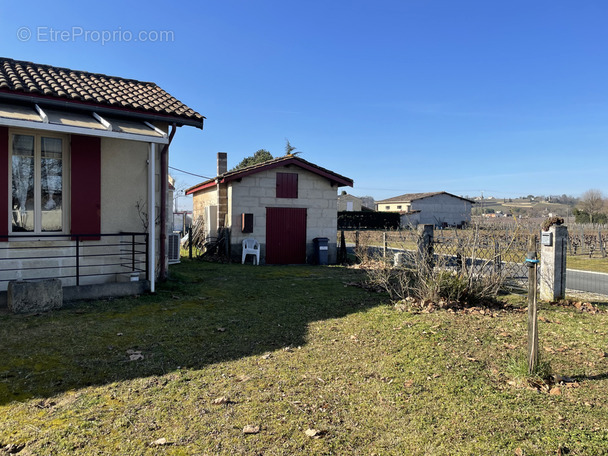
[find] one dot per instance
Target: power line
(192, 174)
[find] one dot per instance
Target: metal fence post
(133, 252)
(147, 235)
(77, 260)
(532, 264)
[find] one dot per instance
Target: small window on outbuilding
(399, 207)
(287, 185)
(387, 208)
(246, 223)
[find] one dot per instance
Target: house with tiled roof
(85, 156)
(284, 203)
(441, 209)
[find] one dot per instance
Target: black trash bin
(321, 250)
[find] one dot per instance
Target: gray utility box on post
(321, 250)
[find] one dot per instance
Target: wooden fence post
(532, 264)
(497, 258)
(425, 244)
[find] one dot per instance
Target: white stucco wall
(124, 183)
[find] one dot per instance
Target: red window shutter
(287, 185)
(86, 185)
(4, 206)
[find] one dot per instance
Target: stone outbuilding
(284, 203)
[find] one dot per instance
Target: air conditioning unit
(173, 250)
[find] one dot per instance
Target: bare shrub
(464, 271)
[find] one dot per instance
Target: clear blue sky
(509, 98)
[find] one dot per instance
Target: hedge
(363, 220)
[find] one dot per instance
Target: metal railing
(72, 257)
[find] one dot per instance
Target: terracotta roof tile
(36, 79)
(269, 164)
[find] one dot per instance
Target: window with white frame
(37, 183)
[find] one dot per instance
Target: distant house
(83, 158)
(284, 204)
(435, 208)
(350, 203)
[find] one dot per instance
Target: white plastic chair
(251, 247)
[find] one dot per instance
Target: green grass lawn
(584, 263)
(291, 349)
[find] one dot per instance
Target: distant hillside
(522, 206)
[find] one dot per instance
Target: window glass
(36, 184)
(51, 184)
(23, 174)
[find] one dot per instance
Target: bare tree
(592, 202)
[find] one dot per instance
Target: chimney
(222, 163)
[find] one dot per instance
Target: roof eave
(201, 186)
(98, 108)
(341, 181)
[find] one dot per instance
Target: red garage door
(285, 235)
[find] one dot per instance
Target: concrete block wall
(253, 194)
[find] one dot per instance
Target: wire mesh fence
(480, 251)
(496, 249)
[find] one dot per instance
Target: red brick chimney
(222, 190)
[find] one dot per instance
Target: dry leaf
(266, 356)
(219, 329)
(314, 433)
(408, 383)
(519, 452)
(221, 400)
(249, 429)
(555, 391)
(159, 442)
